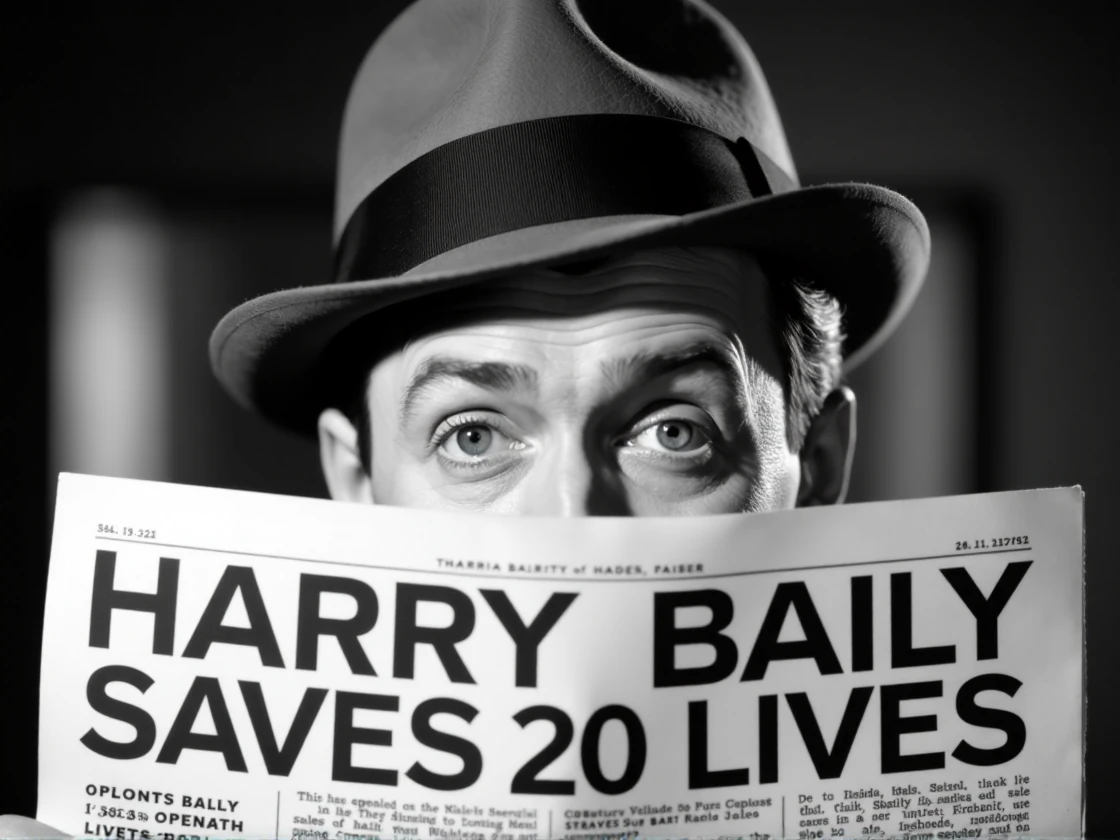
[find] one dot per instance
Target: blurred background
(159, 165)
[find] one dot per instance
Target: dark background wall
(1009, 103)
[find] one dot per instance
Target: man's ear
(347, 479)
(826, 456)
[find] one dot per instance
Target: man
(576, 275)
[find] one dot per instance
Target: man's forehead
(671, 278)
(529, 375)
(609, 344)
(492, 368)
(718, 284)
(666, 302)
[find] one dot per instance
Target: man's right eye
(471, 440)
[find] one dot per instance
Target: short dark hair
(808, 330)
(808, 323)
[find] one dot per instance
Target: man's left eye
(673, 435)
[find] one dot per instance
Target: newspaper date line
(1023, 540)
(126, 531)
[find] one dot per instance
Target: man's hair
(807, 328)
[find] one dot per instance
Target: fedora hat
(483, 137)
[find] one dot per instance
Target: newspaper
(231, 664)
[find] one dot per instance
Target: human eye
(678, 434)
(672, 435)
(475, 440)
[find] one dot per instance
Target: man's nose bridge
(580, 482)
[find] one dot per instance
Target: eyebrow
(643, 367)
(502, 376)
(493, 376)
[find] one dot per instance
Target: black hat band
(544, 171)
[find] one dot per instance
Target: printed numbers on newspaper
(994, 542)
(137, 533)
(111, 813)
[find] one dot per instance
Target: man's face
(651, 386)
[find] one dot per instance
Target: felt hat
(483, 137)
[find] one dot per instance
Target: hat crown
(446, 69)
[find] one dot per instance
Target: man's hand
(25, 828)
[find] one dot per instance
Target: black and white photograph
(532, 419)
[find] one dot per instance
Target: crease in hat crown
(446, 69)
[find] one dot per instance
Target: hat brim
(866, 245)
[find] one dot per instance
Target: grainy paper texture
(227, 664)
